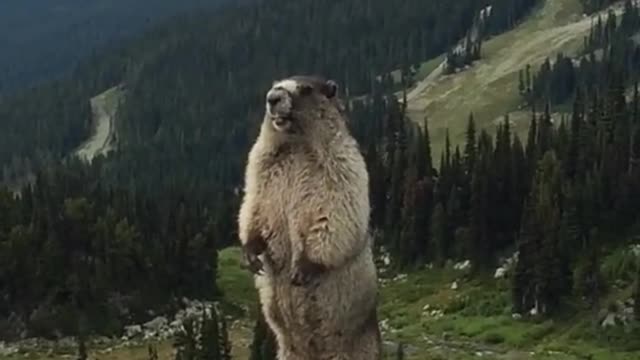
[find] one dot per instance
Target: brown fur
(304, 226)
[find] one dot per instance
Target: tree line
(591, 6)
(561, 198)
(72, 248)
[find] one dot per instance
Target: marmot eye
(305, 90)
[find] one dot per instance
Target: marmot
(303, 225)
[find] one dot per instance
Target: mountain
(41, 40)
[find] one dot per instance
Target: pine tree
(82, 347)
(152, 352)
(210, 346)
(531, 150)
(527, 82)
(400, 352)
(439, 234)
(523, 286)
(186, 343)
(572, 163)
(550, 276)
(479, 248)
(225, 343)
(470, 146)
(636, 296)
(545, 131)
(430, 171)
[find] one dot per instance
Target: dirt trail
(104, 108)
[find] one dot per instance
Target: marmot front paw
(251, 250)
(304, 271)
(252, 263)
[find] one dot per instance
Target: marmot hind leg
(285, 354)
(368, 345)
(368, 348)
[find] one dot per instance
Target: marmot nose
(273, 99)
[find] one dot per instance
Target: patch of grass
(428, 66)
(478, 314)
(621, 264)
(236, 283)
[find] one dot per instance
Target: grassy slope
(489, 88)
(476, 319)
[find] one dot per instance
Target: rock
(534, 311)
(516, 316)
(500, 273)
(7, 350)
(67, 343)
(132, 331)
(609, 321)
(463, 265)
(454, 285)
(400, 277)
(384, 324)
(156, 324)
(436, 313)
(635, 249)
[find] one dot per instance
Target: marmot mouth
(281, 123)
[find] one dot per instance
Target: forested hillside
(193, 70)
(195, 89)
(41, 40)
(69, 245)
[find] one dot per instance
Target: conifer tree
(636, 296)
(440, 234)
(470, 146)
(225, 343)
(210, 347)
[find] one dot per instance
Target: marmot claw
(252, 263)
(304, 271)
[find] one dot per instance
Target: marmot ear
(330, 89)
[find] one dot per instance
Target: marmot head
(299, 102)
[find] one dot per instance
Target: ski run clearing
(488, 89)
(104, 108)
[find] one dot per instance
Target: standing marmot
(304, 223)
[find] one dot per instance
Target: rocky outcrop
(158, 328)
